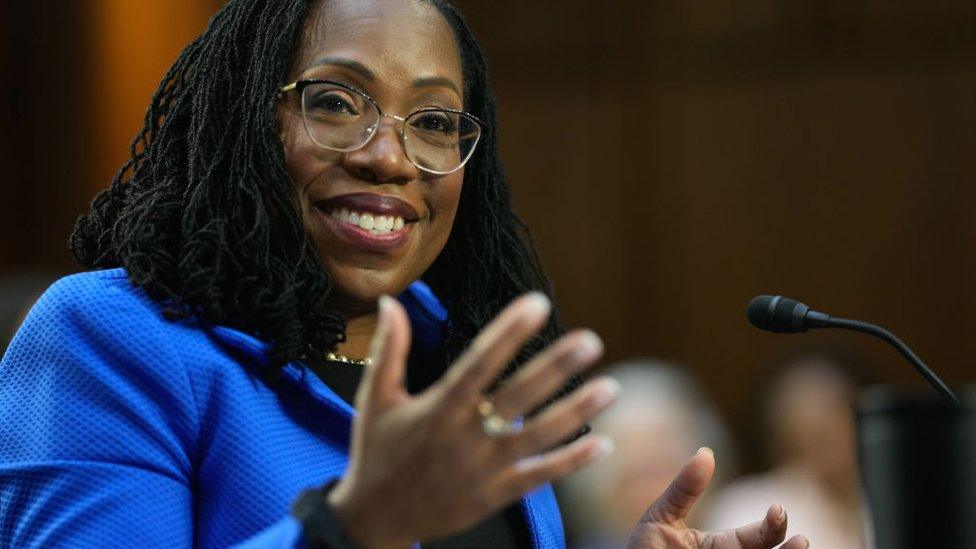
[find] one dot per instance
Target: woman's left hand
(663, 524)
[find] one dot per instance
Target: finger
(796, 542)
(528, 473)
(765, 533)
(547, 373)
(566, 417)
(680, 496)
(383, 379)
(497, 345)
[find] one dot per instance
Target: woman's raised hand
(423, 466)
(663, 524)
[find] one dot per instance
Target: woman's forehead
(393, 38)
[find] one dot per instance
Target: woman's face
(403, 54)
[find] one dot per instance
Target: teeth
(376, 224)
(366, 222)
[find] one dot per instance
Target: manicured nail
(382, 323)
(588, 348)
(603, 449)
(538, 303)
(606, 391)
(384, 311)
(705, 449)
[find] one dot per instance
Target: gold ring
(493, 424)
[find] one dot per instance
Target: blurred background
(673, 159)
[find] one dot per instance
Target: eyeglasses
(341, 118)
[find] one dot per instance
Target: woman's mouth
(370, 222)
(375, 224)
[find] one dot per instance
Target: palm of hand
(665, 536)
(679, 536)
(663, 525)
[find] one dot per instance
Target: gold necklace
(333, 357)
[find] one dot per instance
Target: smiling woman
(405, 57)
(234, 371)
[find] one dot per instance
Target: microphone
(783, 315)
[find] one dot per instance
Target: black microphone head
(777, 314)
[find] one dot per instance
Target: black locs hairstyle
(203, 215)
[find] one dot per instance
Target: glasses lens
(440, 141)
(338, 118)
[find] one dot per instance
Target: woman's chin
(357, 289)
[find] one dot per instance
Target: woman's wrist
(322, 527)
(363, 523)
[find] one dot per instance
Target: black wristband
(322, 529)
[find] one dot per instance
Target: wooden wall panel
(133, 44)
(675, 159)
(76, 80)
(43, 141)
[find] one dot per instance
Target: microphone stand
(878, 331)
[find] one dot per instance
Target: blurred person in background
(661, 417)
(809, 439)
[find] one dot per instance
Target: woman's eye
(332, 103)
(436, 122)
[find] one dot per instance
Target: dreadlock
(203, 214)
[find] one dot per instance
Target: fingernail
(588, 348)
(537, 302)
(379, 335)
(603, 449)
(781, 514)
(705, 449)
(384, 309)
(606, 391)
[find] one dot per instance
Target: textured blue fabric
(119, 428)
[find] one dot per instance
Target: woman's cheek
(447, 197)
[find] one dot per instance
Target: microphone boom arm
(878, 331)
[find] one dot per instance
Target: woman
(299, 162)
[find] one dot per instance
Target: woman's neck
(359, 333)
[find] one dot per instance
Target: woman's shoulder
(92, 304)
(94, 294)
(96, 369)
(100, 317)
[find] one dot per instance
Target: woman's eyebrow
(432, 81)
(354, 66)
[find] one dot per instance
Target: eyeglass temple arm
(289, 87)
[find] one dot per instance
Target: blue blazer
(119, 428)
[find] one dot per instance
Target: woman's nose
(383, 159)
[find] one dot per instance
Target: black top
(503, 530)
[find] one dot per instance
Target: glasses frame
(299, 86)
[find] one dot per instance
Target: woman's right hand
(422, 466)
